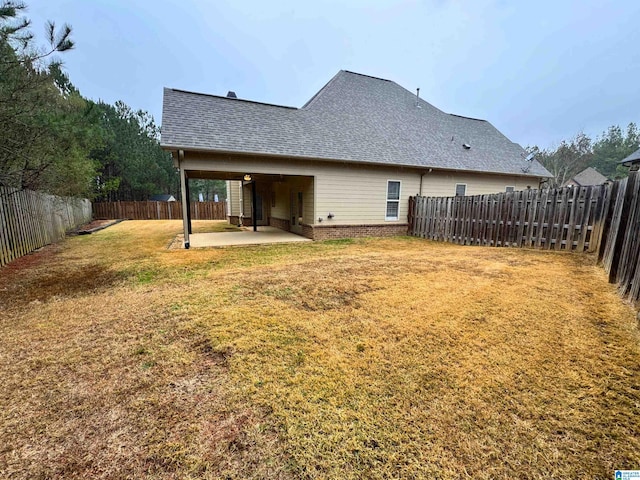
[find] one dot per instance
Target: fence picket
(529, 218)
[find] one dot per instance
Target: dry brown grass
(378, 358)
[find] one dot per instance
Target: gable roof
(589, 176)
(354, 118)
(162, 197)
(633, 158)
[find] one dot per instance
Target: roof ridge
(369, 76)
(231, 99)
(469, 118)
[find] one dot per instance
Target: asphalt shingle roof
(634, 157)
(353, 118)
(589, 176)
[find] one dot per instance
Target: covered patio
(277, 207)
(246, 236)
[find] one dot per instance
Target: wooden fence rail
(559, 219)
(30, 220)
(159, 210)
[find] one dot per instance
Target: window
(461, 189)
(510, 189)
(393, 200)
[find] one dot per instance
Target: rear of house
(343, 165)
(336, 201)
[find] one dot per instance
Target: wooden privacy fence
(570, 218)
(603, 219)
(159, 210)
(30, 220)
(620, 249)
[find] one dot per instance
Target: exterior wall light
(247, 177)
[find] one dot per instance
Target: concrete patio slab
(264, 235)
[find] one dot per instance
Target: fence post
(412, 202)
(611, 192)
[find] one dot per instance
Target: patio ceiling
(215, 175)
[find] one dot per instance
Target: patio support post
(185, 206)
(188, 206)
(254, 213)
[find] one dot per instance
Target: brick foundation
(307, 231)
(327, 232)
(280, 223)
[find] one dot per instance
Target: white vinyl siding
(393, 200)
(461, 189)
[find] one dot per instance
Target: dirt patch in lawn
(384, 358)
(97, 224)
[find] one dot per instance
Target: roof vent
(231, 94)
(466, 146)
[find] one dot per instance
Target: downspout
(183, 190)
(422, 176)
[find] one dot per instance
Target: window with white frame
(461, 189)
(510, 189)
(393, 200)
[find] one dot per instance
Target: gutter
(172, 148)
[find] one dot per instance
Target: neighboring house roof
(162, 198)
(589, 176)
(355, 118)
(633, 158)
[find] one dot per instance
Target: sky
(539, 71)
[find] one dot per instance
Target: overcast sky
(540, 71)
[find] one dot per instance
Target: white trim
(455, 190)
(386, 204)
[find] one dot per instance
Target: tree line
(55, 140)
(572, 156)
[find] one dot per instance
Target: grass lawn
(374, 358)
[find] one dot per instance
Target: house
(162, 198)
(632, 161)
(344, 164)
(588, 176)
